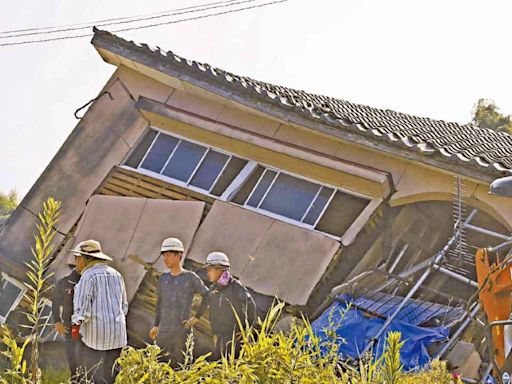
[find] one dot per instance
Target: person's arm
(125, 297)
(202, 289)
(82, 300)
(202, 307)
(158, 303)
(153, 333)
(248, 305)
(57, 300)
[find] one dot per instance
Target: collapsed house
(303, 192)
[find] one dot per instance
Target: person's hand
(60, 328)
(190, 323)
(153, 333)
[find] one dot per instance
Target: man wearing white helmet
(175, 292)
(227, 297)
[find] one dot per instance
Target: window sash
(242, 178)
(321, 187)
(9, 280)
(184, 183)
(268, 189)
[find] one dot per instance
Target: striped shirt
(100, 306)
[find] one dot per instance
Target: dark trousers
(71, 354)
(224, 347)
(173, 343)
(96, 366)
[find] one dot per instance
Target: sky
(432, 58)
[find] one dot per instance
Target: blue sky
(428, 58)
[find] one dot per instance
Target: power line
(90, 23)
(159, 15)
(148, 26)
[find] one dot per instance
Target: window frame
(17, 301)
(181, 183)
(244, 175)
(279, 172)
(369, 206)
(52, 335)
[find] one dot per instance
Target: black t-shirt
(63, 298)
(175, 294)
(224, 302)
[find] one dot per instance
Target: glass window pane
(290, 196)
(159, 153)
(246, 189)
(230, 172)
(261, 189)
(341, 213)
(209, 170)
(8, 296)
(318, 206)
(184, 161)
(139, 152)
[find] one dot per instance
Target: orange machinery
(495, 286)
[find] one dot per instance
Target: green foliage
(17, 371)
(37, 275)
(268, 357)
(391, 365)
(8, 202)
(52, 376)
(437, 374)
(486, 115)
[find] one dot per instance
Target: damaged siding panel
(101, 140)
(131, 231)
(265, 253)
(16, 240)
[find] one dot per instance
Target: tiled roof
(476, 146)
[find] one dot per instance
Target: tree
(486, 114)
(8, 202)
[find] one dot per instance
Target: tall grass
(268, 357)
(37, 275)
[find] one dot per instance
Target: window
(314, 205)
(186, 163)
(257, 187)
(47, 332)
(11, 292)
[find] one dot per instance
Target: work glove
(75, 332)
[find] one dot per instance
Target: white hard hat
(172, 244)
(217, 259)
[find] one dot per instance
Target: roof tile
(467, 142)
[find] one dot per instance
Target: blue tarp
(354, 331)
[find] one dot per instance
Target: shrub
(268, 357)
